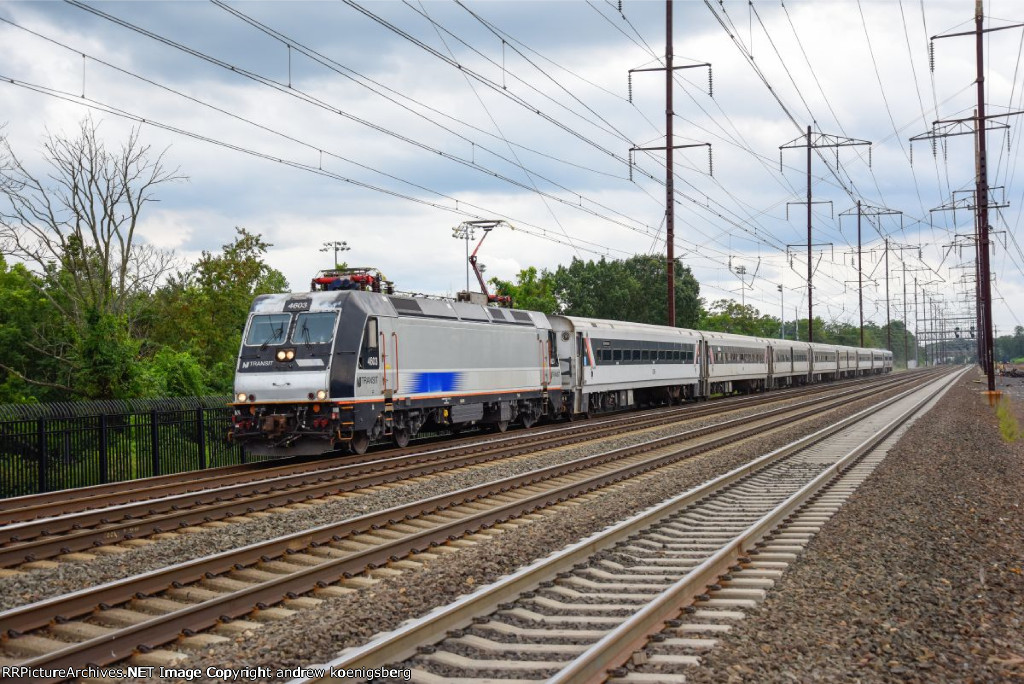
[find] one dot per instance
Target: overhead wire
(723, 211)
(311, 99)
(749, 58)
(530, 229)
(497, 127)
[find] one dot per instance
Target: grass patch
(1009, 428)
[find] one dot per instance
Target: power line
(89, 103)
(310, 99)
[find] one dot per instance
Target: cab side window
(369, 353)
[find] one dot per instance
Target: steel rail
(39, 614)
(49, 504)
(616, 647)
(72, 520)
(160, 629)
(403, 642)
(247, 497)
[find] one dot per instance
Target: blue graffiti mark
(436, 381)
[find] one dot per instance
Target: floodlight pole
(465, 231)
(337, 246)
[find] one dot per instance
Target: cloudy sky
(386, 124)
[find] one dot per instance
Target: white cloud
(740, 213)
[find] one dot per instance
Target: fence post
(43, 464)
(202, 438)
(43, 483)
(155, 441)
(104, 475)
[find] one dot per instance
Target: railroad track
(110, 622)
(34, 540)
(59, 503)
(660, 586)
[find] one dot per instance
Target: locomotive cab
(298, 351)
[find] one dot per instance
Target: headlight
(280, 354)
(321, 394)
(241, 396)
(290, 354)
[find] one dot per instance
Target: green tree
(105, 358)
(628, 290)
(170, 373)
(33, 337)
(202, 311)
(530, 291)
(74, 229)
(728, 315)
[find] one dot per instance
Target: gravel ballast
(918, 577)
(352, 620)
(69, 576)
(901, 594)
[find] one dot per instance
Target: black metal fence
(45, 447)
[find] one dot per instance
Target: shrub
(1009, 428)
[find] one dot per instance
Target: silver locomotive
(342, 368)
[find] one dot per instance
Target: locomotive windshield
(267, 329)
(314, 328)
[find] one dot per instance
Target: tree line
(634, 289)
(88, 311)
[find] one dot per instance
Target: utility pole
(860, 279)
(916, 333)
(670, 212)
(906, 355)
(670, 197)
(952, 127)
(782, 314)
(929, 329)
(888, 320)
(870, 211)
(982, 194)
(823, 140)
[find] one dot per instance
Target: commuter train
(339, 369)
